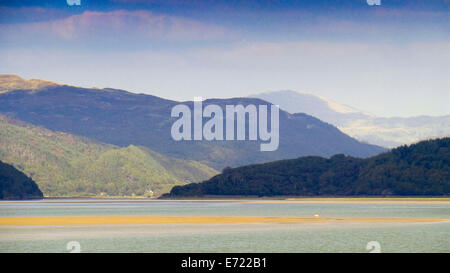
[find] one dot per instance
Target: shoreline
(360, 200)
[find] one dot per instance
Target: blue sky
(391, 60)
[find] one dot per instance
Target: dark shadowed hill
(123, 118)
(419, 169)
(14, 185)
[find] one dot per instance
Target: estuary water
(308, 236)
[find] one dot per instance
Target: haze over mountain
(122, 118)
(67, 165)
(419, 169)
(366, 127)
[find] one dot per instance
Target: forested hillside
(66, 165)
(419, 169)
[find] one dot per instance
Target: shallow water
(267, 237)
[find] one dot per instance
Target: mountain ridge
(122, 118)
(9, 82)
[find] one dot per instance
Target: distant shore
(243, 199)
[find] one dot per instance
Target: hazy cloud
(389, 60)
(118, 24)
(386, 79)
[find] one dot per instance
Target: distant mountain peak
(335, 106)
(366, 127)
(342, 108)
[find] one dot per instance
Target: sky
(391, 59)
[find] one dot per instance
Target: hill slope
(14, 185)
(68, 165)
(387, 132)
(420, 169)
(122, 118)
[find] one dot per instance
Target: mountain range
(383, 131)
(122, 118)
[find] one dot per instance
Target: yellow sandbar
(121, 220)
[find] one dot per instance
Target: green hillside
(66, 165)
(419, 169)
(14, 185)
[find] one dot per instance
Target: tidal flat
(283, 225)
